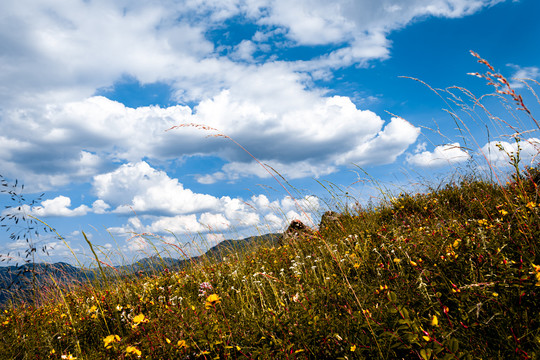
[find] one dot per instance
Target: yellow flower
(413, 263)
(110, 339)
(495, 294)
(503, 212)
(212, 300)
(397, 261)
(133, 350)
(434, 321)
(139, 319)
(356, 266)
(68, 357)
(353, 348)
(92, 309)
(167, 340)
(182, 344)
(531, 204)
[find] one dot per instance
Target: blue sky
(310, 88)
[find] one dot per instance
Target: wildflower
(203, 287)
(397, 261)
(495, 294)
(503, 212)
(482, 222)
(296, 298)
(413, 263)
(353, 348)
(182, 344)
(110, 339)
(139, 319)
(531, 204)
(356, 266)
(434, 321)
(446, 309)
(212, 300)
(92, 309)
(133, 350)
(68, 357)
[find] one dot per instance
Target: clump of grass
(448, 274)
(452, 273)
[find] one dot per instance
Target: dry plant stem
(500, 79)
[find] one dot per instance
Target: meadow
(448, 273)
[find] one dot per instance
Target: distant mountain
(19, 281)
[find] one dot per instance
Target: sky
(170, 125)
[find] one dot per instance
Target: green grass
(449, 274)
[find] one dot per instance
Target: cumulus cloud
(140, 188)
(442, 155)
(70, 49)
(59, 206)
(305, 137)
(362, 27)
(498, 152)
(63, 51)
(165, 206)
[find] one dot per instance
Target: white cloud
(64, 51)
(442, 155)
(385, 146)
(361, 26)
(100, 207)
(140, 188)
(523, 73)
(59, 206)
(179, 224)
(498, 152)
(214, 222)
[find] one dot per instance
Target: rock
(330, 223)
(329, 219)
(295, 231)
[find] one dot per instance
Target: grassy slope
(450, 274)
